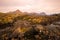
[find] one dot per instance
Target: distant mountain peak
(18, 11)
(42, 13)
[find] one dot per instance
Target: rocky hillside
(23, 26)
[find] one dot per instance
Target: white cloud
(48, 6)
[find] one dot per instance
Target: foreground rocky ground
(23, 30)
(22, 26)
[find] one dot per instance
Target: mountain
(17, 11)
(42, 13)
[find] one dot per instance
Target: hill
(16, 24)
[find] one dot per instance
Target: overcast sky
(48, 6)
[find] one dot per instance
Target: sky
(48, 6)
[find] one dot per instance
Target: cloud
(16, 2)
(49, 6)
